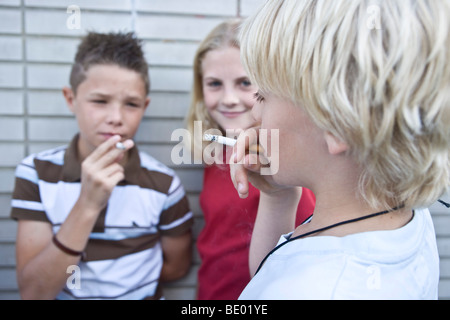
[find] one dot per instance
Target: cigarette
(222, 140)
(120, 146)
(256, 148)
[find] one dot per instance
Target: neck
(338, 200)
(356, 217)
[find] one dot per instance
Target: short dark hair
(122, 49)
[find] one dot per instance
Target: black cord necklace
(373, 215)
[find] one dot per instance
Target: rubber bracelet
(66, 250)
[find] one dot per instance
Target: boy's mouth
(108, 135)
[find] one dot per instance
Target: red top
(224, 241)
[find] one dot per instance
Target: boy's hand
(101, 172)
(246, 166)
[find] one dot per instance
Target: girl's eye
(246, 83)
(259, 98)
(214, 84)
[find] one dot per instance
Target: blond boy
(363, 113)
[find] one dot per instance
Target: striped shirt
(123, 257)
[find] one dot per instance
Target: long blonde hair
(376, 74)
(222, 36)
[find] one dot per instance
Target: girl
(222, 99)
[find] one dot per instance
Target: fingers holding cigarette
(245, 162)
(120, 149)
(101, 171)
(249, 163)
(121, 146)
(112, 150)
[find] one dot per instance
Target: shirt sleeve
(26, 200)
(176, 217)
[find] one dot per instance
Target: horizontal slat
(55, 22)
(12, 129)
(179, 293)
(6, 180)
(442, 224)
(11, 3)
(8, 230)
(55, 77)
(8, 280)
(445, 267)
(10, 48)
(85, 4)
(170, 27)
(7, 254)
(5, 201)
(10, 21)
(444, 247)
(12, 102)
(444, 289)
(210, 7)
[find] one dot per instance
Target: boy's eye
(132, 104)
(259, 98)
(99, 101)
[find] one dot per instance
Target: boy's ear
(147, 102)
(334, 144)
(69, 96)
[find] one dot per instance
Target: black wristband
(66, 250)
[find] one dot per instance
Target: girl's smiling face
(228, 93)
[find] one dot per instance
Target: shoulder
(287, 277)
(55, 156)
(151, 164)
(158, 176)
(395, 264)
(31, 165)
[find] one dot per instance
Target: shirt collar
(72, 165)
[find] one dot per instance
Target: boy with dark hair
(114, 216)
(123, 50)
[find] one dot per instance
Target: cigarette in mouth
(120, 146)
(230, 142)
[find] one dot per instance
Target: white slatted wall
(36, 50)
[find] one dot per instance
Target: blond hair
(376, 74)
(222, 36)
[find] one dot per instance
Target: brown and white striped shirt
(123, 256)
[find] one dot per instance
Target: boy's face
(301, 144)
(110, 101)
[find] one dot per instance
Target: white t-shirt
(397, 264)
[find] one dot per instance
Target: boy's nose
(114, 115)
